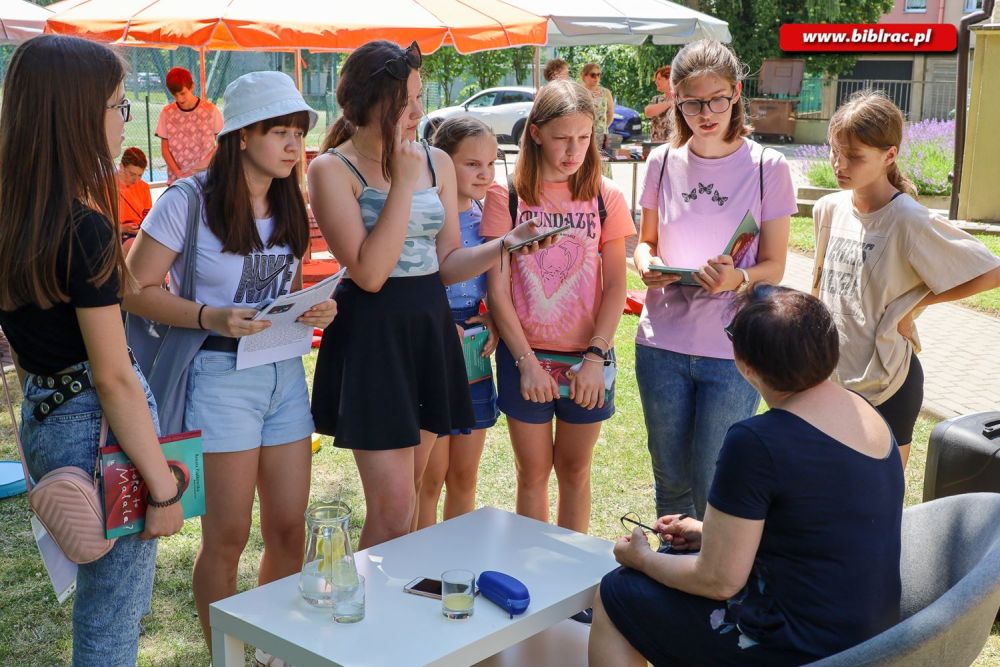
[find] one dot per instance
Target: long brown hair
(555, 100)
(707, 56)
(55, 85)
(871, 118)
(229, 210)
(360, 94)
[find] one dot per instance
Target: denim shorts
(121, 580)
(512, 404)
(241, 410)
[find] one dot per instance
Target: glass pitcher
(329, 557)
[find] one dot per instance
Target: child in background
(881, 258)
(187, 127)
(566, 299)
(134, 200)
(454, 461)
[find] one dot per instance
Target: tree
(754, 25)
(488, 67)
(443, 67)
(521, 59)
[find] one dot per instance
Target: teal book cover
(124, 491)
(477, 367)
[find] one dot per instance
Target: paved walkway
(961, 347)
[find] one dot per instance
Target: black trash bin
(963, 456)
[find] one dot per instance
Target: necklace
(362, 154)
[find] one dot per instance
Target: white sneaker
(268, 660)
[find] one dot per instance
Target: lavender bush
(926, 158)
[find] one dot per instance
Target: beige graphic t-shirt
(872, 269)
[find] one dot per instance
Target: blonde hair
(701, 58)
(870, 118)
(555, 100)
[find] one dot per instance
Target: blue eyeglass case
(504, 591)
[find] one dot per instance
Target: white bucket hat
(258, 96)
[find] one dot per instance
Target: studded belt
(65, 386)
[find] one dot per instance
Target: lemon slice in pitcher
(345, 575)
(329, 549)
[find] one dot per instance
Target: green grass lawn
(802, 239)
(34, 630)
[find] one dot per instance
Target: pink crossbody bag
(67, 501)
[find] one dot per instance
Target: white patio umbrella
(586, 22)
(20, 20)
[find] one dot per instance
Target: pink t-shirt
(557, 291)
(190, 134)
(701, 203)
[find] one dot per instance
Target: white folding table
(561, 569)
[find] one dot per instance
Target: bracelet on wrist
(595, 361)
(604, 340)
(517, 362)
(164, 503)
(596, 351)
(200, 311)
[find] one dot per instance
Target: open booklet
(737, 248)
(285, 338)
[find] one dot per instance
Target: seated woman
(134, 200)
(798, 555)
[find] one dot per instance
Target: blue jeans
(114, 592)
(689, 403)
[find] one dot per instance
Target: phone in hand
(538, 237)
(687, 275)
(424, 586)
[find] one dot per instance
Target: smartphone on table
(426, 587)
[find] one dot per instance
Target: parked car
(505, 109)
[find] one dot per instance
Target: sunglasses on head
(400, 66)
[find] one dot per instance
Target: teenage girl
(390, 374)
(568, 299)
(698, 189)
(881, 258)
(454, 461)
(61, 283)
(255, 421)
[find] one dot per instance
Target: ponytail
(900, 182)
(339, 132)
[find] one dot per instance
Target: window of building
(973, 5)
(914, 5)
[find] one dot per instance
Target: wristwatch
(746, 280)
(593, 349)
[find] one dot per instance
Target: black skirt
(391, 365)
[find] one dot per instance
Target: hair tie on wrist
(200, 325)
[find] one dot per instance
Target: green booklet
(737, 248)
(477, 367)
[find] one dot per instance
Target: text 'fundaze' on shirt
(872, 269)
(557, 291)
(223, 279)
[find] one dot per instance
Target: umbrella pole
(201, 71)
(298, 69)
(538, 62)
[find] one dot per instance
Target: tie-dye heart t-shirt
(557, 291)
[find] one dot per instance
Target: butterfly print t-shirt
(557, 291)
(224, 279)
(700, 203)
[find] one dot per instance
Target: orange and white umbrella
(20, 20)
(262, 25)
